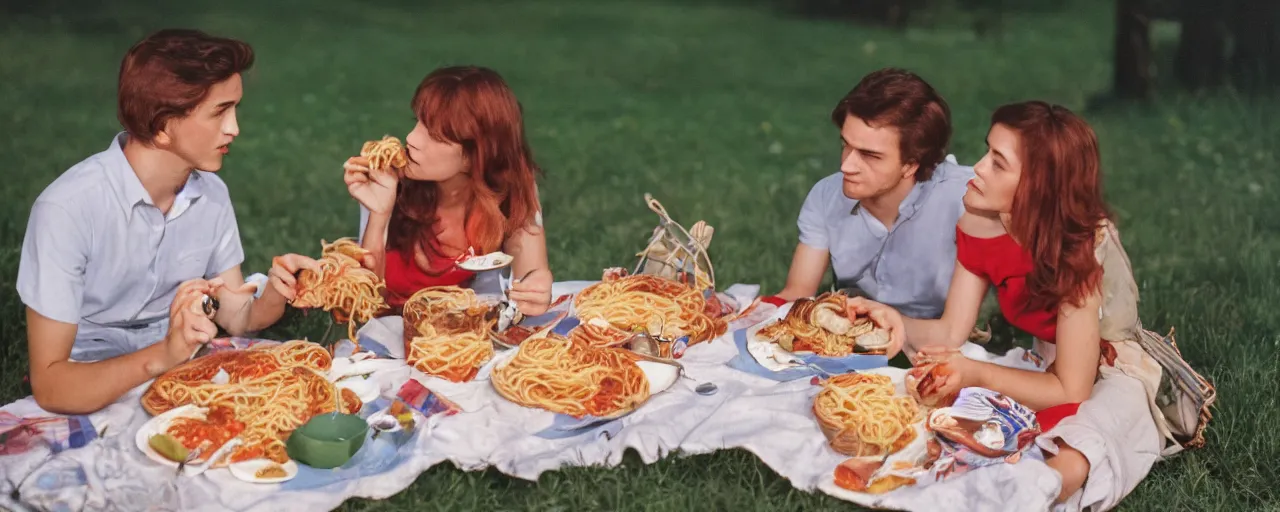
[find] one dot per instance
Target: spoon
(383, 424)
(705, 389)
(209, 306)
(645, 344)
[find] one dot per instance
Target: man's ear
(162, 138)
(909, 170)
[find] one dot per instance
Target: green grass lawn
(721, 112)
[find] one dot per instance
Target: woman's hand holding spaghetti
(282, 278)
(940, 372)
(373, 189)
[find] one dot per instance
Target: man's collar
(909, 205)
(123, 180)
(128, 188)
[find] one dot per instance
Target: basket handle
(689, 243)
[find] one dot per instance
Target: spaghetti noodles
(342, 286)
(820, 325)
(660, 306)
(561, 376)
(861, 416)
(600, 336)
(266, 394)
(447, 332)
(385, 155)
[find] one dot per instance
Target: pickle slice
(168, 447)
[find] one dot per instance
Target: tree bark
(1255, 63)
(1201, 60)
(1132, 65)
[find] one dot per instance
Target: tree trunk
(1255, 63)
(1132, 66)
(1201, 58)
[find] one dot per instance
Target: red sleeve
(969, 253)
(774, 299)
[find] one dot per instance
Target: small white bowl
(246, 471)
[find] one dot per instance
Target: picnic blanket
(767, 416)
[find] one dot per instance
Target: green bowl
(327, 440)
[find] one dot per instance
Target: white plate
(368, 390)
(245, 471)
(160, 424)
(341, 370)
(499, 357)
(379, 416)
(661, 376)
(491, 261)
(769, 354)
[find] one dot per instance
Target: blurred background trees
(1233, 43)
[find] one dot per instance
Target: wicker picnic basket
(677, 253)
(414, 312)
(844, 438)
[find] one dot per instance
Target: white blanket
(769, 418)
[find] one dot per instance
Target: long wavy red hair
(1058, 205)
(474, 108)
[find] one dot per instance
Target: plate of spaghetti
(259, 395)
(663, 307)
(866, 415)
(446, 331)
(557, 374)
(598, 333)
(342, 286)
(528, 328)
(817, 326)
(191, 426)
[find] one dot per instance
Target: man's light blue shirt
(98, 253)
(907, 266)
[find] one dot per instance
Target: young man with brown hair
(121, 250)
(886, 222)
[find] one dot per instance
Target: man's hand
(189, 325)
(883, 316)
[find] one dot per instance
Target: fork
(193, 455)
(796, 361)
(506, 284)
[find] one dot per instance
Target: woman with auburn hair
(468, 186)
(1036, 228)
